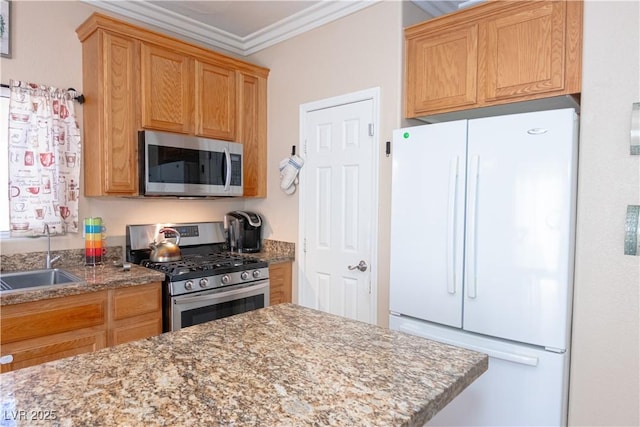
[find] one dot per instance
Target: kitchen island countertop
(284, 365)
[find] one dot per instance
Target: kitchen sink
(36, 279)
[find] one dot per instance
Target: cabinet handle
(6, 359)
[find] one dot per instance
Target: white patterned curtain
(44, 160)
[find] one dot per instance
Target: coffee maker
(244, 231)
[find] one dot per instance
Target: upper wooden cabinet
(167, 90)
(448, 61)
(186, 95)
(216, 101)
(252, 131)
(169, 85)
(494, 53)
(110, 84)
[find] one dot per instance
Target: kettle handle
(162, 230)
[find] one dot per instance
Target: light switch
(631, 237)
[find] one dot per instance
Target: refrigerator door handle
(451, 229)
(496, 354)
(472, 266)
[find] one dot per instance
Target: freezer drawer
(524, 385)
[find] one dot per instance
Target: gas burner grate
(206, 263)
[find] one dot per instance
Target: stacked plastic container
(93, 237)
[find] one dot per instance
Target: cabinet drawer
(136, 300)
(45, 349)
(53, 316)
(136, 329)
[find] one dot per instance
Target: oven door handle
(219, 295)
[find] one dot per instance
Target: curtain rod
(79, 98)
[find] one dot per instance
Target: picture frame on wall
(5, 28)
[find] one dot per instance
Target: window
(4, 159)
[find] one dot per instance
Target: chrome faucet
(48, 260)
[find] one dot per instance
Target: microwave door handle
(227, 159)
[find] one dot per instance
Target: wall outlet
(632, 236)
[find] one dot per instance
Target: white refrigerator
(482, 247)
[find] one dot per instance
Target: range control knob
(226, 279)
(256, 274)
(244, 275)
(189, 285)
(204, 282)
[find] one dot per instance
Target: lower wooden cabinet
(280, 283)
(41, 331)
(22, 354)
(135, 313)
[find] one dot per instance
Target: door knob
(362, 266)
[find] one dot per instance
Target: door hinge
(370, 129)
(304, 147)
(304, 245)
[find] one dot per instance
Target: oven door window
(218, 311)
(193, 309)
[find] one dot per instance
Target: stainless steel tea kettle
(166, 251)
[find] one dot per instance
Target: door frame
(372, 94)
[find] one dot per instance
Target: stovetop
(201, 265)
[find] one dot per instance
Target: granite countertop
(107, 276)
(283, 365)
(274, 251)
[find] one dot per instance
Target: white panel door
(519, 231)
(427, 222)
(338, 187)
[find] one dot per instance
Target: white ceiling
(245, 27)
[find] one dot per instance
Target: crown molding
(303, 21)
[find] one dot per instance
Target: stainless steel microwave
(188, 166)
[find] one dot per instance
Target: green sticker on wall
(406, 135)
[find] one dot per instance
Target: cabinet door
(523, 51)
(279, 283)
(167, 90)
(111, 84)
(441, 70)
(135, 313)
(215, 98)
(252, 133)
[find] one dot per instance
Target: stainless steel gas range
(208, 282)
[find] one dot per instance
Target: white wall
(605, 376)
(357, 52)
